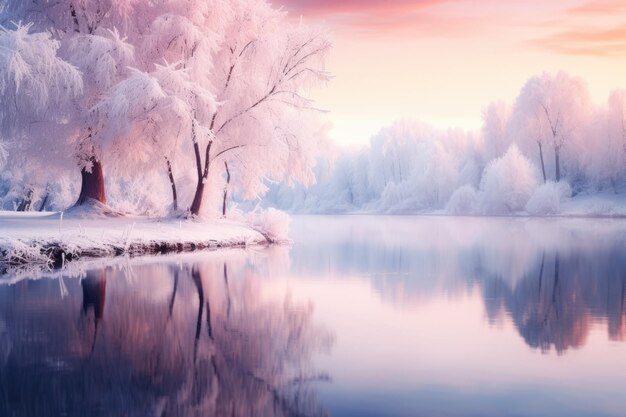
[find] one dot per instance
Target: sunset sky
(442, 61)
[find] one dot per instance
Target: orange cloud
(599, 7)
(590, 41)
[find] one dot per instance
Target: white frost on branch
(33, 79)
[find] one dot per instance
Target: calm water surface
(362, 316)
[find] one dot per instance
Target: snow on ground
(52, 238)
(605, 204)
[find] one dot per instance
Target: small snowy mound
(91, 209)
(271, 223)
(548, 197)
(463, 201)
(508, 183)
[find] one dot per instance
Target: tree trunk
(543, 165)
(557, 163)
(225, 189)
(196, 205)
(197, 198)
(26, 201)
(170, 174)
(44, 202)
(92, 184)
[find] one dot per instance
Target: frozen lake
(362, 316)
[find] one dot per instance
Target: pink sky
(442, 61)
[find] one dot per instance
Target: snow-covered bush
(508, 183)
(272, 223)
(141, 196)
(548, 197)
(463, 201)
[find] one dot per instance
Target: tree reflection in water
(210, 346)
(554, 279)
(555, 305)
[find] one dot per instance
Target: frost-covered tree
(36, 89)
(260, 70)
(82, 38)
(604, 148)
(149, 114)
(614, 148)
(175, 84)
(551, 111)
(495, 129)
(231, 93)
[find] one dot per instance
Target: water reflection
(181, 340)
(430, 316)
(554, 278)
(468, 316)
(556, 304)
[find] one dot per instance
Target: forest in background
(549, 147)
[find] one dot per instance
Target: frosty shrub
(139, 196)
(399, 198)
(548, 197)
(463, 201)
(508, 183)
(272, 223)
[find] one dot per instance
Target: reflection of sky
(407, 300)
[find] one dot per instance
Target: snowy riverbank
(51, 239)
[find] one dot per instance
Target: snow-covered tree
(36, 89)
(84, 40)
(495, 129)
(165, 85)
(261, 69)
(551, 110)
(614, 146)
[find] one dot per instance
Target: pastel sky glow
(443, 61)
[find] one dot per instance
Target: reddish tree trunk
(92, 184)
(196, 205)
